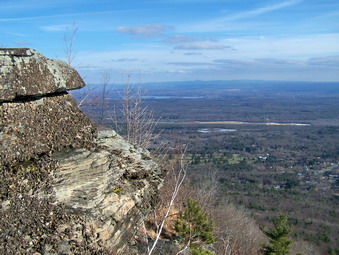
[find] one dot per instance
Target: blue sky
(177, 40)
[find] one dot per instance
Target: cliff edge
(65, 188)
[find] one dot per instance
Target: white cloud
(54, 28)
(325, 61)
(125, 60)
(179, 71)
(145, 31)
(22, 43)
(191, 63)
(299, 47)
(187, 39)
(311, 57)
(201, 46)
(16, 34)
(192, 54)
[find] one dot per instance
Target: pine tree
(195, 228)
(279, 242)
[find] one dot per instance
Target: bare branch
(185, 248)
(138, 120)
(69, 39)
(179, 180)
(105, 79)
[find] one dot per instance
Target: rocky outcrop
(25, 72)
(66, 189)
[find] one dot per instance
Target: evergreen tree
(200, 251)
(279, 242)
(195, 228)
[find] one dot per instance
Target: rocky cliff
(65, 188)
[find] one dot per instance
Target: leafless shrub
(69, 39)
(138, 121)
(204, 191)
(236, 232)
(85, 97)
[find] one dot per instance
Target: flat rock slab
(25, 72)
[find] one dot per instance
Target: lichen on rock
(25, 72)
(81, 192)
(32, 127)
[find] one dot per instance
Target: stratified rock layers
(115, 185)
(82, 193)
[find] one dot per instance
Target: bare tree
(138, 122)
(106, 77)
(69, 39)
(236, 232)
(178, 173)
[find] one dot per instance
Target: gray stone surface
(80, 192)
(25, 72)
(115, 186)
(32, 127)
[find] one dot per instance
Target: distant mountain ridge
(244, 84)
(219, 88)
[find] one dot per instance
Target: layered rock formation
(66, 189)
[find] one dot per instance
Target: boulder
(25, 72)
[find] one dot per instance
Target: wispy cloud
(325, 61)
(191, 64)
(261, 10)
(314, 69)
(179, 71)
(228, 22)
(278, 63)
(192, 53)
(125, 60)
(299, 47)
(201, 46)
(146, 31)
(187, 39)
(63, 15)
(21, 43)
(16, 34)
(54, 28)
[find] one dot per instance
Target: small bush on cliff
(195, 228)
